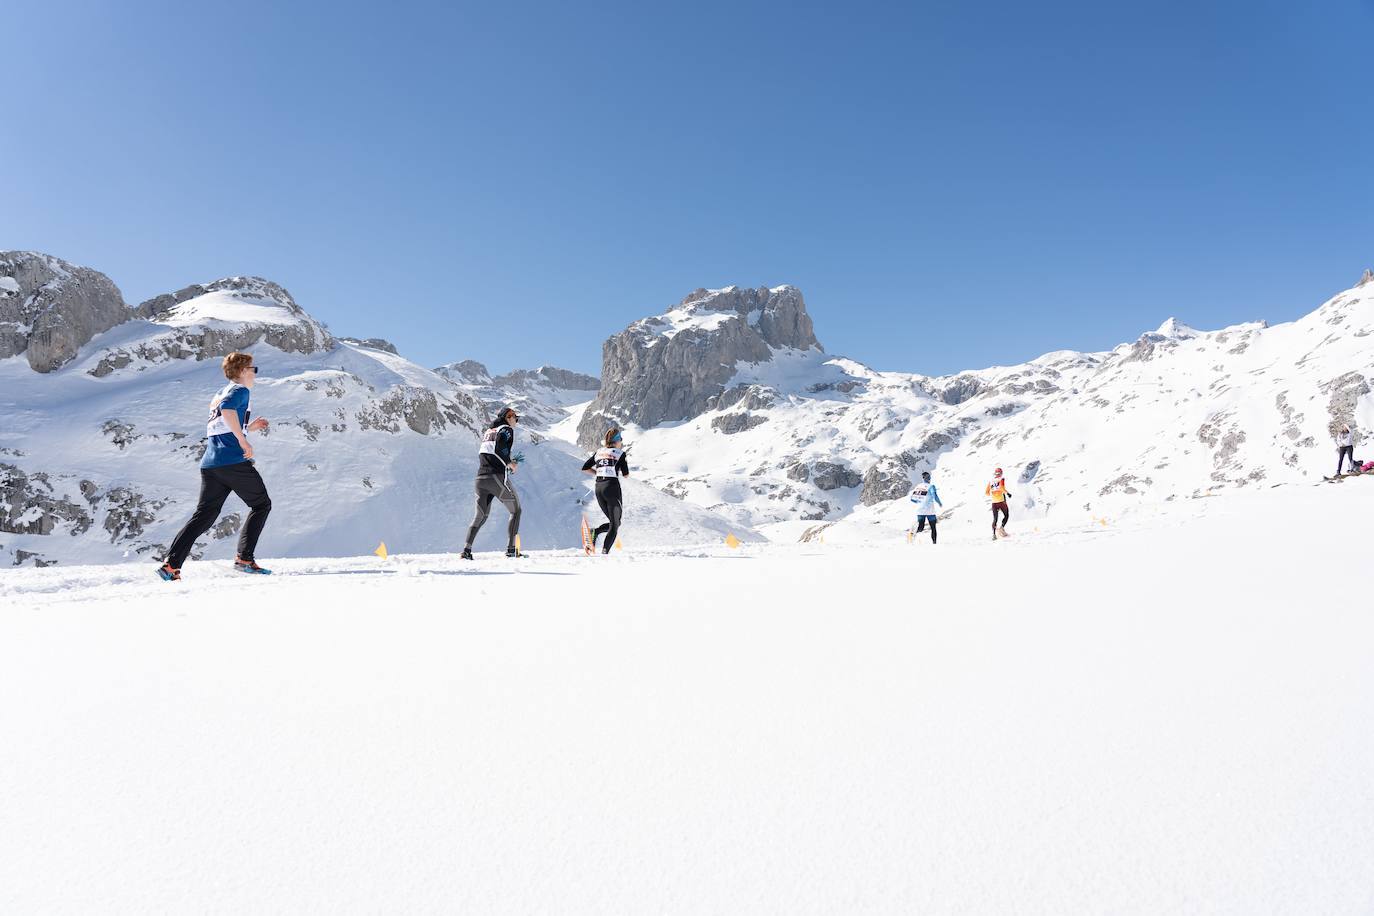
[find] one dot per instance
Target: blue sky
(951, 185)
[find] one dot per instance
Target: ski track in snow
(1172, 717)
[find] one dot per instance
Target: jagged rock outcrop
(466, 372)
(548, 375)
(49, 308)
(886, 480)
(372, 343)
(671, 367)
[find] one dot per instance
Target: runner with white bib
(608, 465)
(227, 467)
(926, 498)
(495, 465)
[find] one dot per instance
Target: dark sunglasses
(252, 369)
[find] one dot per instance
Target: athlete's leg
(213, 493)
(247, 485)
(485, 495)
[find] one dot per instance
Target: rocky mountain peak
(673, 366)
(237, 312)
(1367, 278)
(1176, 330)
(552, 376)
(50, 308)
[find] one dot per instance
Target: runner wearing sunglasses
(227, 467)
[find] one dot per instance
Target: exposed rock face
(467, 372)
(1344, 391)
(548, 375)
(372, 343)
(30, 505)
(672, 367)
(829, 476)
(732, 423)
(49, 309)
(886, 480)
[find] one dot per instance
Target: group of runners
(227, 467)
(927, 499)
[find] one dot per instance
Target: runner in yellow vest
(997, 492)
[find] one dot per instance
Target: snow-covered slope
(99, 457)
(791, 729)
(799, 439)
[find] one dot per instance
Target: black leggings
(1006, 514)
(921, 526)
(488, 489)
(244, 481)
(1346, 451)
(608, 497)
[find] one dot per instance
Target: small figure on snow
(608, 465)
(997, 492)
(926, 498)
(1345, 449)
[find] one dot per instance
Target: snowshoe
(169, 574)
(1002, 532)
(512, 552)
(251, 566)
(466, 554)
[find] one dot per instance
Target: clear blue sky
(952, 185)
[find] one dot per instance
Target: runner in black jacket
(609, 465)
(494, 467)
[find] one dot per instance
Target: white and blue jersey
(926, 498)
(221, 445)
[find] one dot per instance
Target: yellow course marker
(731, 541)
(381, 550)
(619, 544)
(517, 544)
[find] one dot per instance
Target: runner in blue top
(926, 498)
(227, 467)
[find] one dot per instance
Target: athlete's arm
(231, 420)
(256, 425)
(587, 465)
(504, 440)
(623, 466)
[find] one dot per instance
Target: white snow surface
(226, 305)
(1171, 717)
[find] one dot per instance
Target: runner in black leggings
(609, 465)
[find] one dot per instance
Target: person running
(227, 467)
(608, 465)
(1345, 449)
(494, 467)
(926, 498)
(997, 492)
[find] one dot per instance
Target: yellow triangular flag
(381, 550)
(619, 544)
(731, 541)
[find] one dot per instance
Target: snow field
(1172, 718)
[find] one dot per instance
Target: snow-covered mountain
(733, 405)
(102, 410)
(739, 419)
